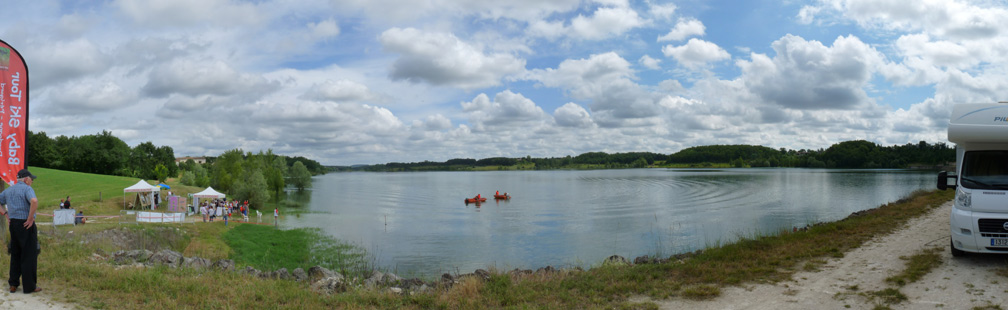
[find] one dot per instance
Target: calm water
(417, 224)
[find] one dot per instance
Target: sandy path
(959, 283)
(39, 300)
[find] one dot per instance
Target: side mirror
(943, 180)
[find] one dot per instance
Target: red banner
(13, 112)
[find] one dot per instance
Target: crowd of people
(221, 208)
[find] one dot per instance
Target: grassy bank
(72, 268)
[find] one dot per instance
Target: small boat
(502, 197)
(472, 200)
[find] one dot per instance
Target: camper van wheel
(956, 252)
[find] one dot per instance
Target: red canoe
(499, 197)
(472, 200)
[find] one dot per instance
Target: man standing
(20, 203)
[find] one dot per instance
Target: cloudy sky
(373, 81)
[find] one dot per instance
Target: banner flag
(13, 112)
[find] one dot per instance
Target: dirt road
(959, 283)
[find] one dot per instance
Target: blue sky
(364, 82)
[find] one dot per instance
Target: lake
(416, 224)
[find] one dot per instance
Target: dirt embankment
(958, 283)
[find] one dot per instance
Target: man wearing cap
(20, 204)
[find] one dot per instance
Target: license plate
(999, 242)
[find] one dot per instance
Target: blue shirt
(18, 198)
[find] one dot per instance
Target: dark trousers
(24, 250)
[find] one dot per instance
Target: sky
(350, 82)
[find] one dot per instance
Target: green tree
(299, 176)
(161, 172)
(252, 188)
(188, 178)
(275, 177)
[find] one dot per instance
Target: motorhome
(979, 216)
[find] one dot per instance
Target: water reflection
(417, 223)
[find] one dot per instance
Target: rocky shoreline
(325, 281)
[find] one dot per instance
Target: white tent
(139, 188)
(208, 193)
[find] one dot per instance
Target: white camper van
(979, 219)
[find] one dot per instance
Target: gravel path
(959, 283)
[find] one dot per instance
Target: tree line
(100, 154)
(258, 178)
(848, 154)
(243, 176)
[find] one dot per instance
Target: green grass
(266, 248)
(917, 266)
(92, 193)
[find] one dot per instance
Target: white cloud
(507, 110)
(338, 91)
(586, 78)
(696, 53)
(89, 97)
(807, 14)
(687, 27)
(65, 60)
(662, 11)
(650, 63)
(572, 115)
(194, 78)
(942, 19)
(186, 13)
(604, 23)
(324, 29)
(443, 59)
(808, 75)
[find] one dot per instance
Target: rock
(330, 285)
(640, 260)
(396, 290)
(225, 265)
(390, 279)
(615, 260)
(299, 274)
(166, 257)
(545, 270)
(281, 274)
(374, 280)
(196, 262)
(318, 273)
(132, 256)
(520, 272)
(412, 284)
(483, 274)
(252, 271)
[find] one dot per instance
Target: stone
(390, 279)
(616, 260)
(318, 273)
(131, 256)
(281, 274)
(252, 271)
(374, 280)
(299, 274)
(196, 262)
(330, 285)
(395, 290)
(545, 270)
(482, 274)
(166, 257)
(225, 265)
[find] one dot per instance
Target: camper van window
(985, 170)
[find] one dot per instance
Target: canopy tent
(208, 193)
(145, 194)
